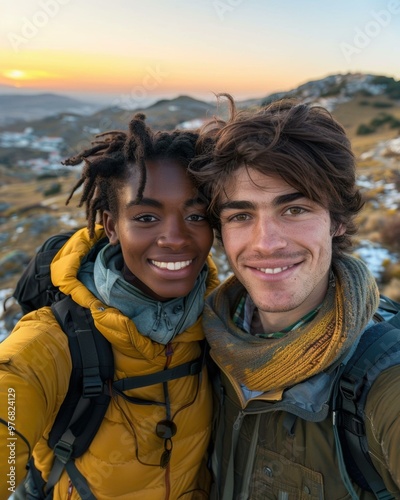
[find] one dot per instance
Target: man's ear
(110, 227)
(339, 231)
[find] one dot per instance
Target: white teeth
(171, 266)
(275, 270)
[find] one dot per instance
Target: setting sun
(25, 75)
(15, 74)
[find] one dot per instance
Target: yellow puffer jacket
(34, 377)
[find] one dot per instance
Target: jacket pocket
(275, 477)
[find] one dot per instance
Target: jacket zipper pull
(158, 317)
(238, 422)
(167, 321)
(70, 488)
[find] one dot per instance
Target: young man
(282, 186)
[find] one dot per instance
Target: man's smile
(274, 270)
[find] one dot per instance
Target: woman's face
(166, 237)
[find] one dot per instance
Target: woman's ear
(110, 227)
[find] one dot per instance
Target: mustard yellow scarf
(274, 364)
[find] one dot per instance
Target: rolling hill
(27, 198)
(29, 107)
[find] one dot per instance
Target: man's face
(165, 239)
(279, 245)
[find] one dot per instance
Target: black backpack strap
(34, 288)
(87, 399)
(378, 349)
(34, 484)
(189, 368)
(77, 322)
(79, 481)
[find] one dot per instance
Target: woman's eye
(197, 218)
(145, 218)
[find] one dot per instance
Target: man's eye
(235, 218)
(240, 217)
(296, 210)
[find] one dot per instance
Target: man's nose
(269, 235)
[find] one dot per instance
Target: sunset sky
(136, 50)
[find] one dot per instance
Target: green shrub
(364, 129)
(53, 189)
(382, 104)
(390, 232)
(381, 120)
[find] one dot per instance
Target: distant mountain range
(52, 112)
(28, 107)
(341, 87)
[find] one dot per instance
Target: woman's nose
(175, 235)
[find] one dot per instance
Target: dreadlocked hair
(115, 154)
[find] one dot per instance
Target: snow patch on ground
(374, 255)
(3, 295)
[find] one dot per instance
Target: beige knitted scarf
(274, 364)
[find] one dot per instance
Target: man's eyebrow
(236, 205)
(288, 198)
(249, 205)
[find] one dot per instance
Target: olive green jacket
(286, 449)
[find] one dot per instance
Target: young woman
(145, 291)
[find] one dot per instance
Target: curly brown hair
(301, 143)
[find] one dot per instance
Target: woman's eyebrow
(148, 202)
(151, 202)
(195, 201)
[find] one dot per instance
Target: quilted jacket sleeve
(35, 367)
(383, 429)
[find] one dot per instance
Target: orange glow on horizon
(127, 75)
(81, 72)
(25, 75)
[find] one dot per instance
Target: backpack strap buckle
(63, 451)
(352, 423)
(357, 426)
(350, 388)
(92, 383)
(195, 367)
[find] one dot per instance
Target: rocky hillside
(77, 129)
(34, 185)
(333, 89)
